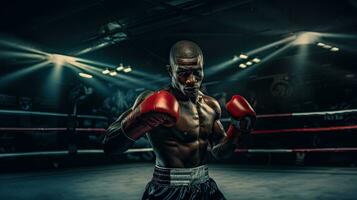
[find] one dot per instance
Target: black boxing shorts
(182, 183)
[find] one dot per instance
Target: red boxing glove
(160, 108)
(161, 102)
(243, 116)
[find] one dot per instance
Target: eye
(183, 73)
(198, 73)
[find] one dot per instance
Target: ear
(169, 69)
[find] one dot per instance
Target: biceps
(218, 133)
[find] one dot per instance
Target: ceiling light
(242, 66)
(84, 75)
(248, 63)
(306, 38)
(59, 60)
(106, 71)
(334, 49)
(243, 56)
(112, 73)
(128, 69)
(121, 67)
(256, 60)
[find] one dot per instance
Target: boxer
(182, 124)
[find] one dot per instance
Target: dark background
(140, 34)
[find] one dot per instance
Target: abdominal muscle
(171, 153)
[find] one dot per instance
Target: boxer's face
(187, 77)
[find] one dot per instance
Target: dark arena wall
(178, 99)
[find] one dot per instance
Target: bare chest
(195, 121)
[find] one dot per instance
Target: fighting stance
(182, 124)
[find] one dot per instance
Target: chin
(191, 94)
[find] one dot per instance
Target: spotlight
(320, 44)
(84, 75)
(243, 56)
(128, 69)
(326, 46)
(256, 60)
(334, 49)
(113, 73)
(235, 58)
(248, 63)
(121, 67)
(242, 66)
(59, 60)
(106, 71)
(306, 38)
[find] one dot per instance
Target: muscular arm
(242, 121)
(223, 145)
(149, 111)
(116, 140)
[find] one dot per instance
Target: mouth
(190, 89)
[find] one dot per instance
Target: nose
(191, 80)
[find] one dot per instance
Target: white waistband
(181, 176)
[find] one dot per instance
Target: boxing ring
(128, 180)
(79, 130)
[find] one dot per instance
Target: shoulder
(213, 103)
